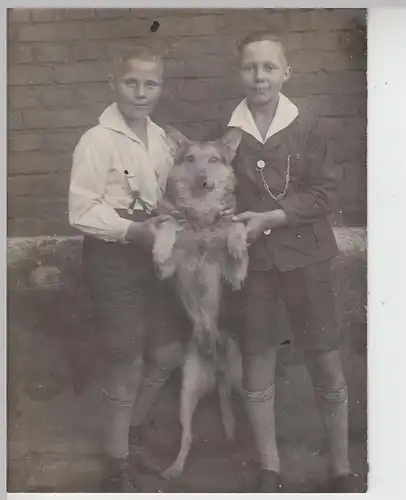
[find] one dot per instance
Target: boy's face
(263, 71)
(137, 85)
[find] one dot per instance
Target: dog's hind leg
(194, 385)
(227, 415)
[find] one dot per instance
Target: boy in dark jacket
(285, 194)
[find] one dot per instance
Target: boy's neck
(267, 109)
(139, 128)
(263, 115)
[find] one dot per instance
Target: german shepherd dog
(199, 253)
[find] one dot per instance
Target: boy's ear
(178, 143)
(288, 74)
(111, 81)
(230, 142)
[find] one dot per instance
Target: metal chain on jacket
(278, 197)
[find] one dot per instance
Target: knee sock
(333, 408)
(260, 408)
(152, 381)
(118, 402)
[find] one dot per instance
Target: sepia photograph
(187, 250)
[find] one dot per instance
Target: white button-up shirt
(109, 163)
(285, 113)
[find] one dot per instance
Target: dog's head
(202, 177)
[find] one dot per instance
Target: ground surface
(54, 415)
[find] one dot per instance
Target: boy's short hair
(260, 36)
(140, 53)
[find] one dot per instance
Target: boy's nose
(140, 91)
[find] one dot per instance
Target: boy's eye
(269, 67)
(152, 85)
(214, 159)
(189, 158)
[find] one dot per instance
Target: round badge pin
(260, 164)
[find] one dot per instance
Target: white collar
(285, 113)
(112, 118)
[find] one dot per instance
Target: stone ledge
(51, 261)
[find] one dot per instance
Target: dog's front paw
(172, 472)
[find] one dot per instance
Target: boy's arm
(319, 198)
(87, 212)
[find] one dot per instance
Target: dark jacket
(310, 198)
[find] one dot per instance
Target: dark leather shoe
(119, 478)
(269, 482)
(347, 483)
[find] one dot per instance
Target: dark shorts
(133, 309)
(308, 295)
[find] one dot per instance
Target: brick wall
(57, 87)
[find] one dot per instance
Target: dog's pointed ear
(178, 143)
(230, 142)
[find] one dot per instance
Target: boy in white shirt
(118, 177)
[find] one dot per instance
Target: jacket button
(267, 231)
(260, 164)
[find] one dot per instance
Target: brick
(342, 82)
(347, 151)
(81, 72)
(19, 53)
(77, 14)
(341, 61)
(51, 52)
(38, 185)
(24, 142)
(195, 26)
(88, 94)
(112, 13)
(47, 15)
(257, 19)
(221, 46)
(340, 129)
(57, 97)
(335, 19)
(294, 42)
(116, 28)
(42, 32)
(36, 162)
(39, 227)
(195, 89)
(12, 32)
(87, 51)
(18, 15)
(37, 119)
(300, 20)
(207, 67)
(199, 111)
(49, 208)
(28, 75)
(23, 97)
(305, 62)
(64, 141)
(15, 120)
(340, 105)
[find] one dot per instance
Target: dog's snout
(205, 182)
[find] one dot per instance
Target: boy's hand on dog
(229, 209)
(143, 233)
(258, 222)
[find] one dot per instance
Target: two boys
(285, 189)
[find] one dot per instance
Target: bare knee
(122, 382)
(163, 360)
(325, 369)
(259, 370)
